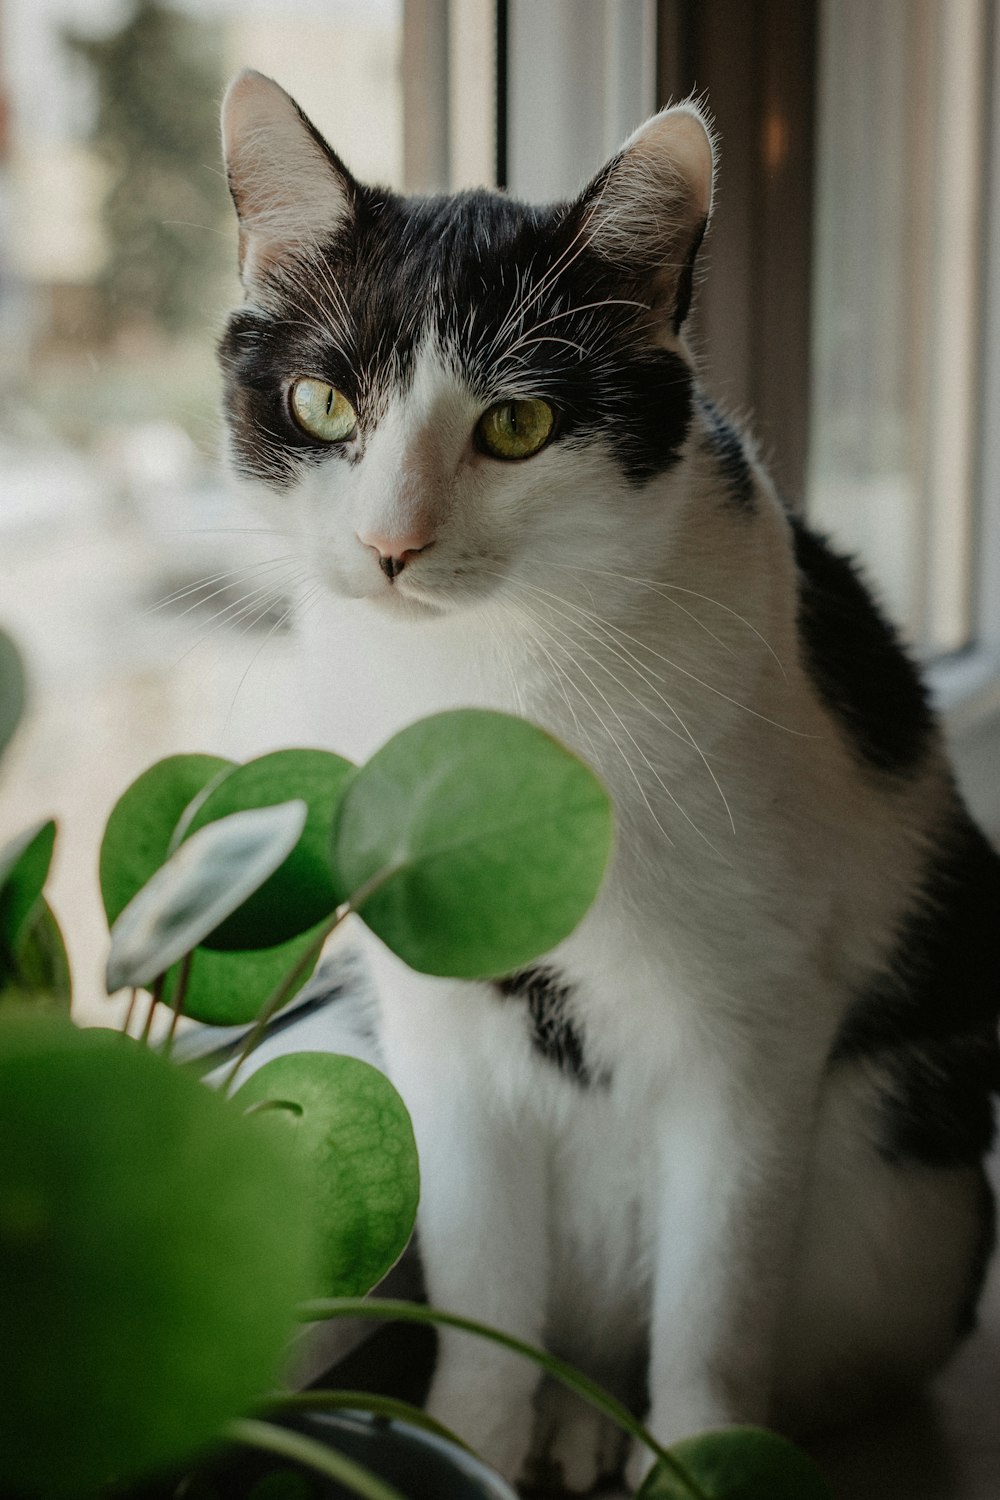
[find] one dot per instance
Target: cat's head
(465, 390)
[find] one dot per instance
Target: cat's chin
(407, 604)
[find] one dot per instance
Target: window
(897, 301)
(850, 301)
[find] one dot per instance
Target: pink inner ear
(677, 144)
(287, 191)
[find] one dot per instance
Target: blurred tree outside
(158, 83)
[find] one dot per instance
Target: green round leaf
(24, 869)
(484, 839)
(137, 837)
(302, 892)
(230, 989)
(13, 689)
(354, 1135)
(153, 1246)
(738, 1463)
(36, 972)
(224, 989)
(202, 883)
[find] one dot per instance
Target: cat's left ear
(646, 213)
(290, 190)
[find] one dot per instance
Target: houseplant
(142, 1214)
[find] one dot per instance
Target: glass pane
(152, 619)
(895, 331)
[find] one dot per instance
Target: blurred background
(850, 307)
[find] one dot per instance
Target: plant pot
(421, 1465)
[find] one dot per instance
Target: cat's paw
(574, 1445)
(495, 1427)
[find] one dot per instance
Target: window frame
(693, 54)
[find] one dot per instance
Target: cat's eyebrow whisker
(544, 338)
(328, 277)
(570, 312)
(562, 263)
(292, 277)
(646, 675)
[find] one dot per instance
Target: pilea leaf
(142, 822)
(36, 971)
(141, 1216)
(230, 989)
(301, 893)
(223, 989)
(483, 840)
(24, 869)
(738, 1463)
(202, 883)
(354, 1136)
(13, 689)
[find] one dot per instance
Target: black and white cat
(734, 1126)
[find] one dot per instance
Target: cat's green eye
(516, 429)
(321, 410)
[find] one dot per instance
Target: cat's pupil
(329, 400)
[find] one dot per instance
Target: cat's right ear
(289, 188)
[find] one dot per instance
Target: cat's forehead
(468, 273)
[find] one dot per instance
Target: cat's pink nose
(394, 552)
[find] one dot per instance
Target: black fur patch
(512, 292)
(861, 671)
(982, 1256)
(685, 282)
(553, 1032)
(930, 1019)
(726, 447)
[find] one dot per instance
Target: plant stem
(154, 1000)
(177, 1001)
(285, 988)
(379, 1406)
(131, 1010)
(378, 1308)
(282, 992)
(312, 1455)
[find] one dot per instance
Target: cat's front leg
(482, 1219)
(732, 1152)
(483, 1245)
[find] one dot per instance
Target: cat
(729, 1136)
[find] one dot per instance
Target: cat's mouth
(411, 594)
(412, 598)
